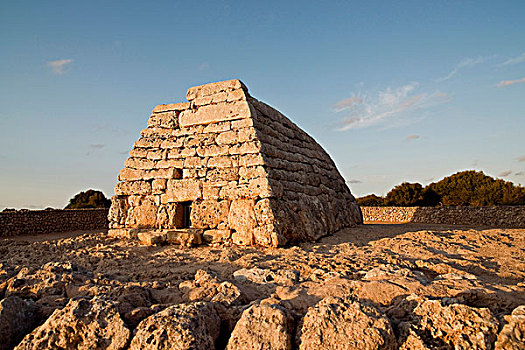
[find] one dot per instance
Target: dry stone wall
(232, 167)
(501, 216)
(20, 222)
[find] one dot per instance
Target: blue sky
(395, 91)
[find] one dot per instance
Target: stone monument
(226, 168)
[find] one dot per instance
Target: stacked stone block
(233, 168)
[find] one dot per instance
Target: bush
(89, 199)
(371, 201)
(461, 189)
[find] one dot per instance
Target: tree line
(465, 188)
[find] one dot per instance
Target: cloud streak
(467, 62)
(412, 137)
(505, 83)
(521, 159)
(514, 60)
(385, 107)
(505, 173)
(58, 66)
(354, 181)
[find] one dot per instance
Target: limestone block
(220, 162)
(251, 160)
(159, 185)
(147, 143)
(181, 190)
(171, 107)
(215, 113)
(241, 123)
(187, 151)
(227, 138)
(263, 212)
(214, 88)
(152, 237)
(163, 120)
(138, 152)
(217, 127)
(118, 210)
(222, 174)
(246, 134)
(195, 162)
(123, 233)
(172, 143)
(216, 236)
(128, 174)
(252, 172)
(169, 163)
(241, 218)
(143, 215)
(209, 213)
(212, 151)
(185, 237)
(138, 163)
(156, 154)
(210, 191)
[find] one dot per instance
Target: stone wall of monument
(501, 216)
(246, 174)
(314, 198)
(20, 222)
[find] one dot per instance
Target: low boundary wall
(501, 216)
(19, 222)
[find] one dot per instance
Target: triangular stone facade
(230, 169)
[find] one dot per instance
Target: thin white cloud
(385, 107)
(521, 159)
(412, 137)
(514, 60)
(58, 66)
(505, 173)
(467, 62)
(519, 173)
(354, 181)
(504, 83)
(347, 103)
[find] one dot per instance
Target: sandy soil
(376, 262)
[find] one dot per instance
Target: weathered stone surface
(179, 327)
(225, 146)
(209, 213)
(241, 218)
(82, 324)
(17, 317)
(337, 323)
(263, 326)
(512, 336)
(152, 237)
(214, 88)
(144, 215)
(182, 190)
(185, 237)
(436, 324)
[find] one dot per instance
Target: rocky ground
(372, 287)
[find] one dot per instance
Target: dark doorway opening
(186, 214)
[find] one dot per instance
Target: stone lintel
(214, 88)
(171, 107)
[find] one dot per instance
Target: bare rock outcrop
(263, 326)
(337, 323)
(443, 324)
(193, 326)
(512, 336)
(17, 317)
(82, 324)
